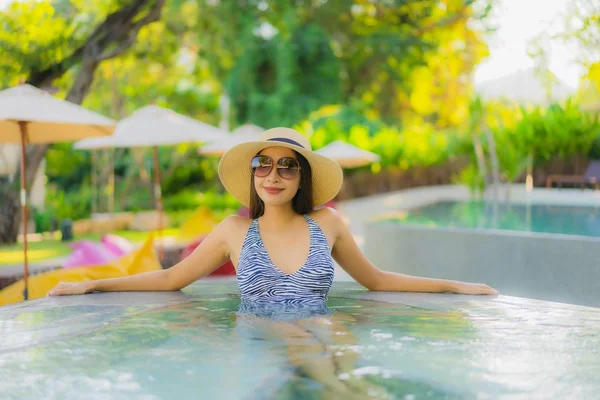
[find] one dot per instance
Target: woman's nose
(273, 175)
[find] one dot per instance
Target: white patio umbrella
(29, 115)
(154, 126)
(244, 133)
(347, 155)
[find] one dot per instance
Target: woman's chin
(278, 199)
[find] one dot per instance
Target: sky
(519, 21)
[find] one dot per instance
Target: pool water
(198, 344)
(570, 220)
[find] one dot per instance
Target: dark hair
(302, 201)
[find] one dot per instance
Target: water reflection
(326, 347)
(573, 220)
(206, 343)
(318, 345)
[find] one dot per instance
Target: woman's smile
(272, 190)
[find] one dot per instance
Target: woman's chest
(257, 271)
(288, 251)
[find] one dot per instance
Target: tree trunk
(95, 182)
(9, 208)
(10, 204)
(480, 156)
(529, 179)
(494, 162)
(111, 182)
(111, 38)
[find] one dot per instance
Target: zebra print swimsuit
(259, 280)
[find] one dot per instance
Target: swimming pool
(198, 344)
(560, 219)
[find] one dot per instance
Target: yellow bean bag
(200, 223)
(142, 260)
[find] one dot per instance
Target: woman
(283, 252)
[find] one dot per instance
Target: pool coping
(339, 289)
(493, 231)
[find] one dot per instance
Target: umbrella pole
(159, 203)
(94, 183)
(23, 128)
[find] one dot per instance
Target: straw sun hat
(235, 173)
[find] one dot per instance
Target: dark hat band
(285, 140)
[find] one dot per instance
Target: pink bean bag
(86, 253)
(117, 245)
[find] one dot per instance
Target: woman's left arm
(347, 254)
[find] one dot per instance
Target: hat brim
(235, 173)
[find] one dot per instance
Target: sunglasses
(287, 167)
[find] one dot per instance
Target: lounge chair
(592, 174)
(591, 177)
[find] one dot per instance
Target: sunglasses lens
(261, 166)
(287, 167)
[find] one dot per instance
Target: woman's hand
(473, 288)
(67, 288)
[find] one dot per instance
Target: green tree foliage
(277, 82)
(49, 37)
(373, 50)
(415, 145)
(544, 132)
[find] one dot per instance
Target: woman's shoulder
(326, 216)
(331, 222)
(235, 222)
(232, 230)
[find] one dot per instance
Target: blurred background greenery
(393, 77)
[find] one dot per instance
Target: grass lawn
(53, 247)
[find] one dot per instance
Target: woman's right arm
(207, 257)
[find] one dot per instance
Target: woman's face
(273, 189)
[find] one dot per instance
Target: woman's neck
(276, 217)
